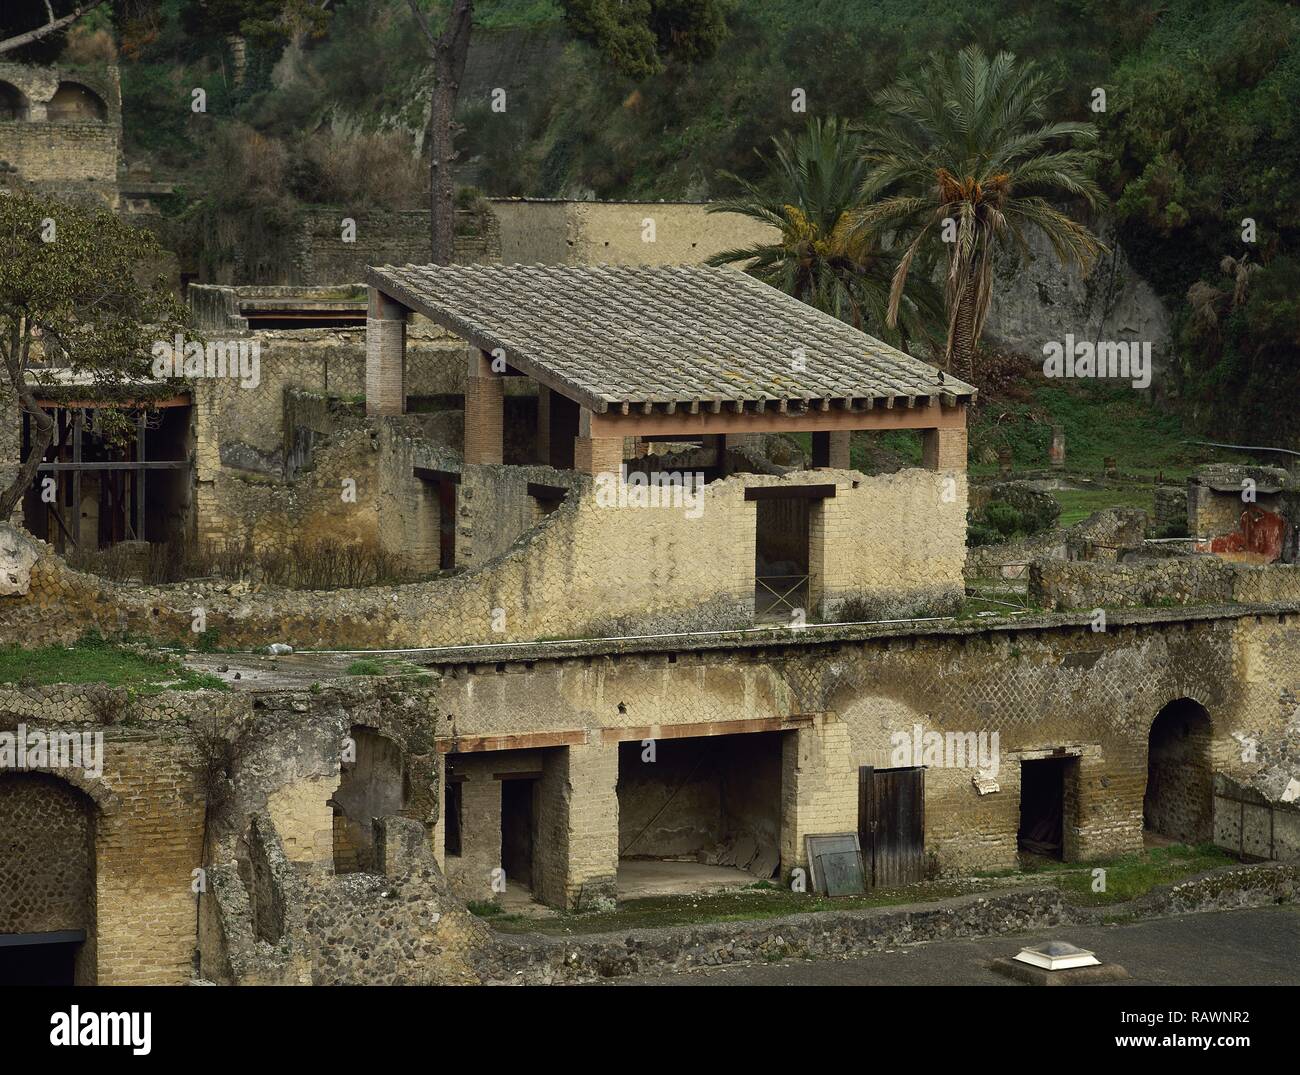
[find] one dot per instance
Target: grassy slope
(96, 661)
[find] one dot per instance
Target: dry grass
(361, 168)
(304, 565)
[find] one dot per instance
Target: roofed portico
(630, 353)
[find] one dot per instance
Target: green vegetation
(814, 190)
(95, 660)
(1127, 878)
(741, 905)
(386, 666)
(72, 288)
(966, 160)
(1191, 92)
(1078, 504)
(1133, 875)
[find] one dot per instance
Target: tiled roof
(615, 336)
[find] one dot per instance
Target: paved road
(1252, 947)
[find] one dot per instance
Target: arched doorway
(13, 105)
(47, 881)
(1178, 803)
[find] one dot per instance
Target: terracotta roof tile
(610, 335)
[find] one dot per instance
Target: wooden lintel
(428, 474)
(149, 464)
(478, 744)
(547, 492)
(790, 492)
(691, 731)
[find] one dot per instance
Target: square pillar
(577, 826)
(944, 449)
(830, 449)
(484, 411)
(385, 355)
(595, 455)
(819, 787)
(544, 425)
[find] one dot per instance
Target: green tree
(964, 155)
(637, 37)
(810, 196)
(71, 298)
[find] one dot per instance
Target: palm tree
(817, 255)
(965, 154)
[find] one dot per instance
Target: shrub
(378, 169)
(1004, 518)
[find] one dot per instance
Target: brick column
(385, 355)
(595, 455)
(484, 411)
(819, 787)
(944, 449)
(831, 449)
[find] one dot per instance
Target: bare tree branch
(51, 27)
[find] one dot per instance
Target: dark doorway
(1178, 802)
(446, 524)
(714, 801)
(891, 824)
(517, 830)
(781, 557)
(563, 429)
(451, 818)
(40, 958)
(1042, 806)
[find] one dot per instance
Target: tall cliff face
(1036, 300)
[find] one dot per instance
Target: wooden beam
(547, 492)
(478, 744)
(609, 736)
(78, 430)
(732, 419)
(790, 492)
(149, 464)
(428, 474)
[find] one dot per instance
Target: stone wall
(1043, 689)
(539, 231)
(63, 152)
(585, 569)
(836, 698)
(147, 824)
(1184, 580)
(382, 237)
(47, 861)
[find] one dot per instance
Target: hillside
(1197, 136)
